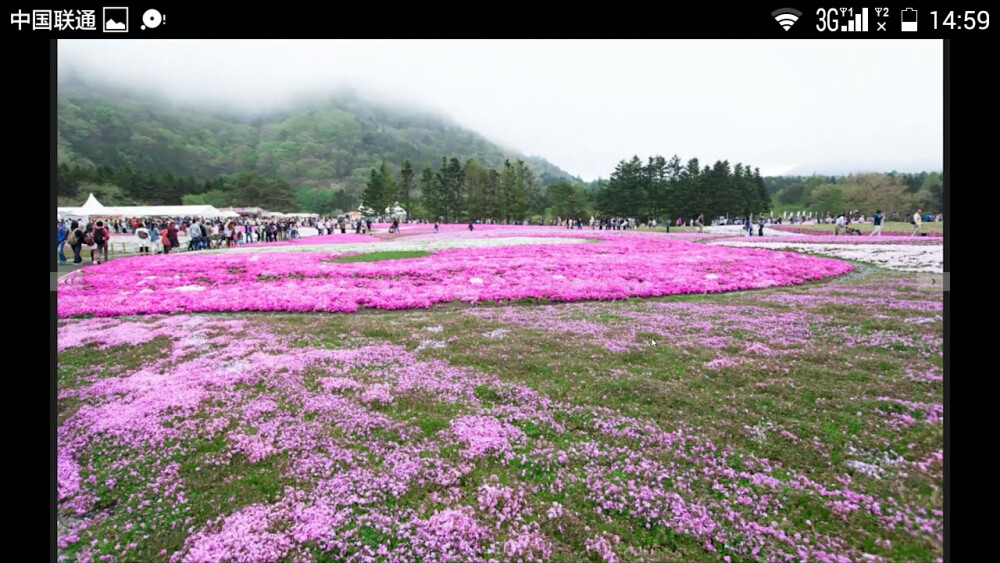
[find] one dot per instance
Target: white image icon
(116, 20)
(151, 19)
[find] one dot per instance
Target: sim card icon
(909, 19)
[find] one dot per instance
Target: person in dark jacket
(76, 241)
(61, 235)
(101, 237)
(877, 224)
(172, 232)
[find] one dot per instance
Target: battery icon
(909, 19)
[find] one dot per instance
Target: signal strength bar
(859, 23)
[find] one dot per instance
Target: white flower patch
(189, 288)
(922, 320)
(238, 366)
(430, 344)
(741, 230)
(759, 432)
(496, 334)
(927, 258)
(711, 276)
(558, 277)
(434, 329)
(875, 464)
(476, 281)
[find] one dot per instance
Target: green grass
(898, 226)
(810, 412)
(379, 256)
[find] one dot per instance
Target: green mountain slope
(328, 144)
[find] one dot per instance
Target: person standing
(877, 224)
(154, 235)
(195, 233)
(101, 237)
(172, 232)
(165, 240)
(839, 225)
(701, 222)
(916, 223)
(75, 240)
(142, 239)
(88, 241)
(61, 236)
(760, 225)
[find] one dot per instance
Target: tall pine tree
(406, 185)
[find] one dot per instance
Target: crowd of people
(161, 236)
(842, 223)
(94, 237)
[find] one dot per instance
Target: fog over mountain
(829, 107)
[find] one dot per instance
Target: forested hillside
(329, 145)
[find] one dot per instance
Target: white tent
(94, 208)
(162, 211)
(91, 207)
(396, 212)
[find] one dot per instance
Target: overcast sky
(786, 106)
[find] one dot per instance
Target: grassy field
(794, 421)
(379, 256)
(896, 226)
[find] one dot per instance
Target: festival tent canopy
(162, 211)
(91, 207)
(396, 211)
(94, 208)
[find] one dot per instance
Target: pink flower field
(796, 423)
(617, 267)
(336, 238)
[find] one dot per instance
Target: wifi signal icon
(786, 17)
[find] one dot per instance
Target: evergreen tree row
(458, 192)
(659, 188)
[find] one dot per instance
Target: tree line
(457, 191)
(127, 186)
(891, 192)
(659, 188)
